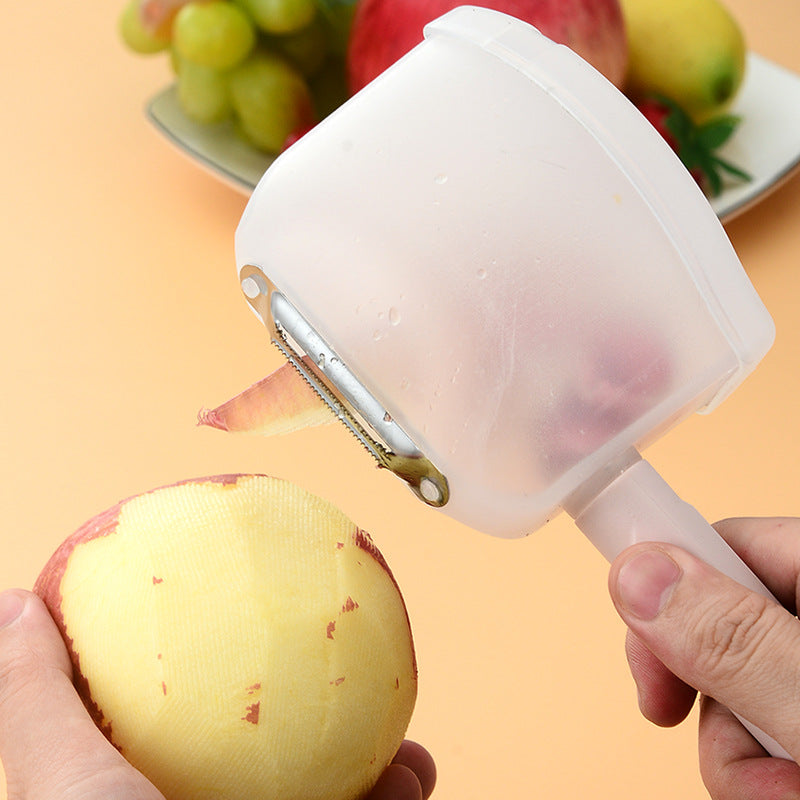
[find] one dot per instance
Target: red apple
(384, 30)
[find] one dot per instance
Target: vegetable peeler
(504, 282)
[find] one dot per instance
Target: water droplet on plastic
(387, 417)
(321, 360)
(440, 178)
(394, 316)
(377, 335)
(482, 273)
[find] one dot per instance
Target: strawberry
(695, 144)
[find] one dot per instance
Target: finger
(734, 766)
(49, 745)
(771, 548)
(397, 782)
(729, 643)
(664, 699)
(419, 761)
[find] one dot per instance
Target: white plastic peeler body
(514, 265)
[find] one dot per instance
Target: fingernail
(11, 605)
(646, 581)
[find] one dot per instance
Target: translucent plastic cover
(512, 261)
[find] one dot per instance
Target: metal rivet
(253, 286)
(430, 491)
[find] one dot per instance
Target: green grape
(306, 49)
(136, 36)
(270, 99)
(280, 16)
(203, 93)
(215, 34)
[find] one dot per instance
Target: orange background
(122, 316)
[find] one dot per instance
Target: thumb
(727, 642)
(49, 746)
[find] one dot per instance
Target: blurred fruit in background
(273, 68)
(271, 99)
(690, 51)
(384, 30)
(696, 144)
(687, 62)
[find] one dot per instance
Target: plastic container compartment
(513, 261)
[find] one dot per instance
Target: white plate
(766, 144)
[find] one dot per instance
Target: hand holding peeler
(503, 281)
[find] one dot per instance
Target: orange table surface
(122, 316)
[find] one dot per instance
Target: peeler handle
(638, 505)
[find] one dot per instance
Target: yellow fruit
(691, 51)
(236, 637)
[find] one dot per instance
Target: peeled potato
(237, 638)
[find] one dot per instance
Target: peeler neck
(583, 497)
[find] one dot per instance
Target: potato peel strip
(280, 403)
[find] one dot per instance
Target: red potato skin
(48, 587)
(283, 399)
(385, 30)
(48, 583)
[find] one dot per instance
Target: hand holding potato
(224, 638)
(51, 749)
